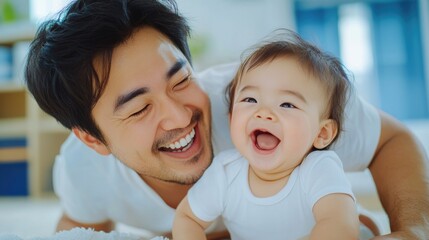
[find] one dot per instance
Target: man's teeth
(183, 142)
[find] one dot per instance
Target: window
(379, 42)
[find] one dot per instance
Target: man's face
(153, 115)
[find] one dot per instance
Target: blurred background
(384, 43)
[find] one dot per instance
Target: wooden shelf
(11, 87)
(13, 127)
(20, 116)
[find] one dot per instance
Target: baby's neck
(267, 185)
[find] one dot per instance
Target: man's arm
(66, 223)
(401, 175)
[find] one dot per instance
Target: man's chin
(189, 171)
(176, 178)
(188, 180)
(193, 172)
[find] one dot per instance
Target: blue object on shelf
(13, 142)
(6, 64)
(14, 178)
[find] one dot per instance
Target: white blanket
(82, 234)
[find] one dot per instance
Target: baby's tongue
(266, 141)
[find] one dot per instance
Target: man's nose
(175, 114)
(265, 114)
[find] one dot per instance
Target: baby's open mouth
(265, 140)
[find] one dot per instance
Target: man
(118, 73)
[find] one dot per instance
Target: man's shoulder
(76, 149)
(77, 159)
(226, 157)
(219, 74)
(213, 81)
(220, 69)
(81, 170)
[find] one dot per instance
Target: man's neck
(171, 193)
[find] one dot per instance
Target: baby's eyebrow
(248, 87)
(294, 93)
(286, 92)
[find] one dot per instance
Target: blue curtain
(399, 62)
(320, 27)
(397, 47)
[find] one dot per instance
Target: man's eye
(249, 100)
(140, 112)
(287, 105)
(182, 83)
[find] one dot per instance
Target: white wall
(231, 26)
(20, 7)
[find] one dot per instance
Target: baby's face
(276, 115)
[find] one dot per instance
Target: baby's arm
(336, 218)
(186, 225)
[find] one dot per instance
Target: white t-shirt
(224, 191)
(94, 188)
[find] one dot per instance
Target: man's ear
(328, 131)
(91, 141)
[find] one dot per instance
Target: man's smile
(181, 144)
(189, 146)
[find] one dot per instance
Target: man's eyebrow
(176, 67)
(140, 91)
(129, 96)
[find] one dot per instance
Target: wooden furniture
(20, 116)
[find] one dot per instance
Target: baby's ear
(91, 141)
(328, 131)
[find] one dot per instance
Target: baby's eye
(287, 105)
(249, 100)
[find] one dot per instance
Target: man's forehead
(146, 47)
(169, 52)
(141, 62)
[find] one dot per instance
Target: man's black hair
(60, 73)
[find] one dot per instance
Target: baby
(286, 108)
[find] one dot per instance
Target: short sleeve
(77, 182)
(358, 141)
(206, 197)
(321, 174)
